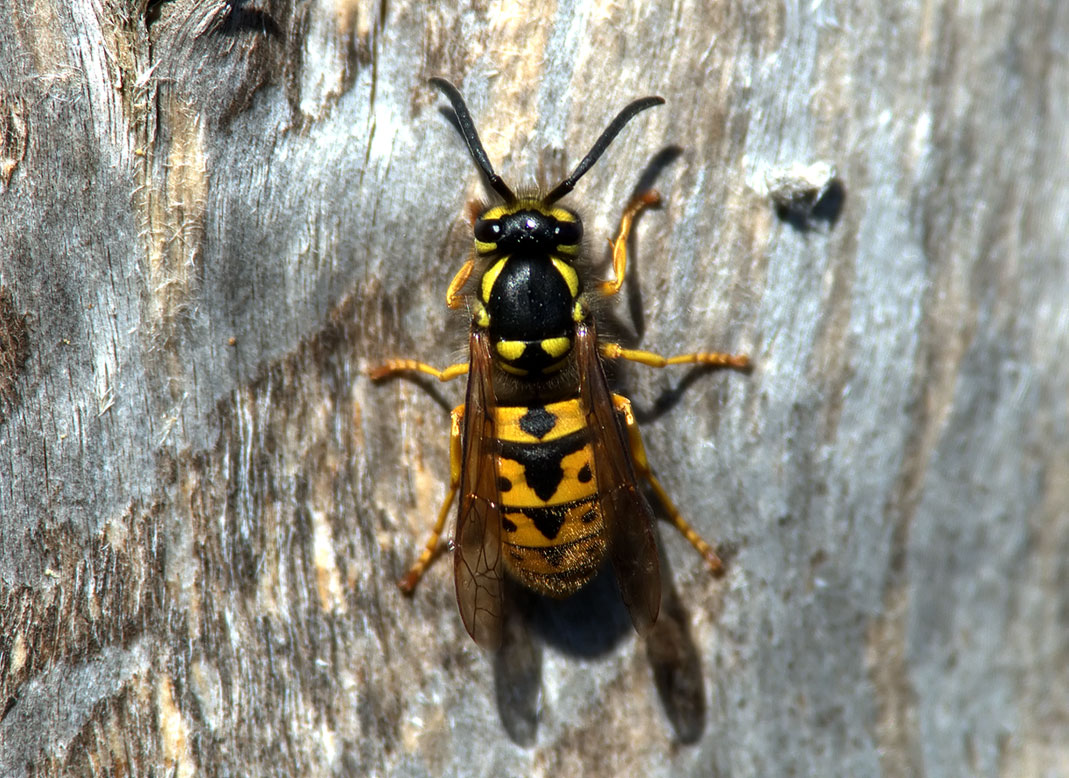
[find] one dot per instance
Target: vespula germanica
(547, 461)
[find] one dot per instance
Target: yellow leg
(433, 549)
(393, 366)
(642, 466)
(710, 359)
(453, 297)
(619, 245)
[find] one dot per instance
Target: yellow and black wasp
(546, 459)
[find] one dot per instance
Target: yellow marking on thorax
(490, 277)
(510, 349)
(556, 347)
(517, 371)
(571, 278)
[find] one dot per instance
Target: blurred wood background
(217, 214)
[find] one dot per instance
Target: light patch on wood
(117, 531)
(328, 581)
(182, 572)
(351, 17)
(175, 203)
(330, 45)
(206, 686)
(39, 33)
(13, 135)
(429, 737)
(520, 33)
(799, 184)
(1035, 756)
(18, 654)
(268, 581)
(328, 743)
(356, 420)
(174, 732)
(428, 484)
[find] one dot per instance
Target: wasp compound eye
(568, 233)
(487, 230)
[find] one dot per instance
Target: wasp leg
(709, 359)
(393, 366)
(619, 245)
(453, 297)
(432, 550)
(642, 466)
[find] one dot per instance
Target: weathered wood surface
(215, 215)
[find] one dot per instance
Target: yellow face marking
(510, 350)
(556, 347)
(562, 215)
(490, 277)
(567, 272)
(483, 247)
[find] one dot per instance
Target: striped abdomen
(553, 532)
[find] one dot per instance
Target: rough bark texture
(217, 214)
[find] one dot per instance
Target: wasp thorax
(529, 290)
(528, 230)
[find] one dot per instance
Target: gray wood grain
(217, 215)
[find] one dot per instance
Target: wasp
(547, 461)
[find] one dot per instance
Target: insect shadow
(670, 396)
(631, 335)
(534, 622)
(807, 210)
(431, 386)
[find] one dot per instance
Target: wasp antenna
(471, 137)
(601, 144)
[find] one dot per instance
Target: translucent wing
(628, 517)
(477, 563)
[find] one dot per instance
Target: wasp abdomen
(553, 531)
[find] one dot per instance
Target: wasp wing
(478, 569)
(628, 518)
